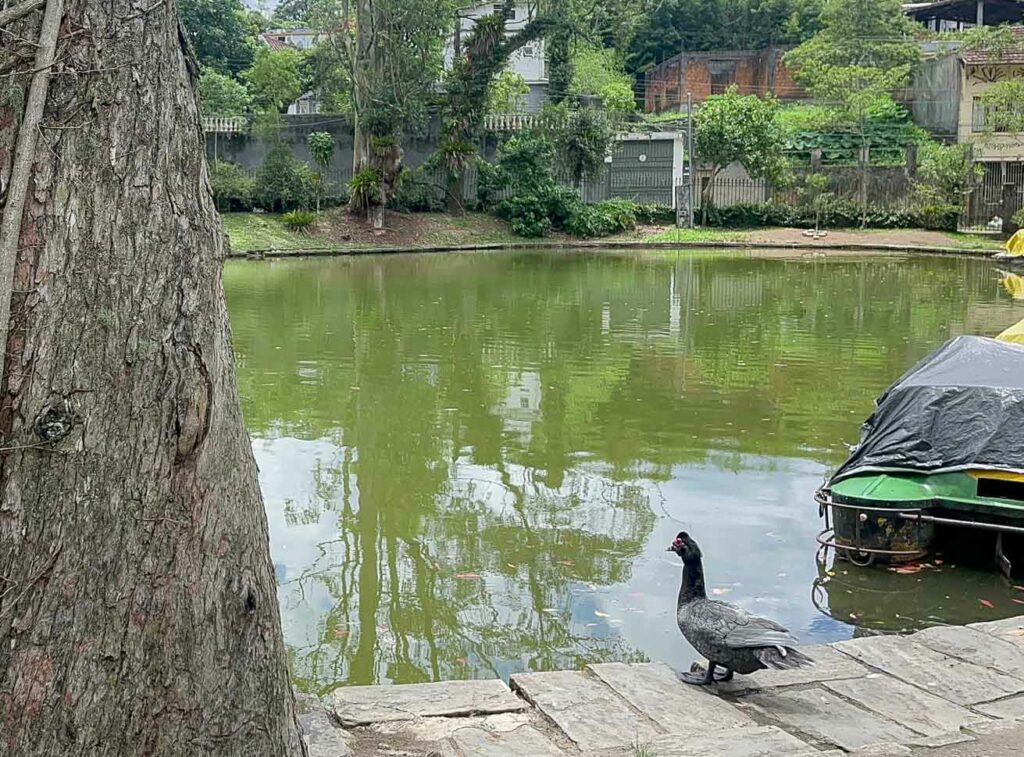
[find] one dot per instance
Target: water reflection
(472, 463)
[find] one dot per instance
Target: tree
(294, 10)
(321, 147)
(598, 73)
(861, 35)
(221, 32)
(508, 93)
(221, 95)
(731, 128)
(675, 26)
(275, 79)
(582, 144)
(485, 54)
(139, 612)
(393, 51)
(559, 57)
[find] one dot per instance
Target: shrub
(835, 213)
(416, 192)
(233, 189)
(527, 214)
(365, 190)
(284, 182)
(1018, 219)
(603, 219)
(299, 220)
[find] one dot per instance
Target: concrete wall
(935, 96)
(759, 72)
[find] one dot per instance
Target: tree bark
(138, 610)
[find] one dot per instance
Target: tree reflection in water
(460, 452)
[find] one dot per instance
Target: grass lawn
(694, 236)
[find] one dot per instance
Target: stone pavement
(943, 691)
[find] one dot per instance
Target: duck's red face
(685, 547)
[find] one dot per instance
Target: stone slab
(746, 741)
(525, 741)
(975, 646)
(961, 682)
(829, 665)
(323, 737)
(1004, 627)
(907, 705)
(675, 706)
(587, 711)
(823, 715)
(365, 705)
(1011, 708)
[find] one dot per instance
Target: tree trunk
(138, 609)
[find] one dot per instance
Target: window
(723, 74)
(997, 120)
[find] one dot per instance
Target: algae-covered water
(473, 463)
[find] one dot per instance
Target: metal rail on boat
(859, 554)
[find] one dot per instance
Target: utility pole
(689, 153)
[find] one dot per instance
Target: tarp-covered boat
(944, 447)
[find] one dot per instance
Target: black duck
(728, 636)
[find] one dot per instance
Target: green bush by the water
(284, 182)
(233, 189)
(834, 213)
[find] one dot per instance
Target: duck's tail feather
(783, 658)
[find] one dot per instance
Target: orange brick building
(758, 72)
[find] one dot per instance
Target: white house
(529, 61)
(298, 39)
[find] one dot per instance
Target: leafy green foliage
(275, 78)
(221, 32)
(220, 95)
(886, 128)
(301, 221)
(233, 189)
(948, 173)
(731, 128)
(603, 219)
(560, 60)
(508, 93)
(300, 11)
(365, 190)
(834, 213)
(1018, 219)
(416, 192)
(693, 25)
(864, 48)
(527, 214)
(321, 147)
(582, 143)
(284, 182)
(1004, 107)
(597, 72)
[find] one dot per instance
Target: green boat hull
(893, 517)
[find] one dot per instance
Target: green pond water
(473, 463)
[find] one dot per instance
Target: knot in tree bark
(55, 421)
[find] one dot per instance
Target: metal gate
(641, 170)
(998, 195)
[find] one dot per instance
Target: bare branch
(18, 11)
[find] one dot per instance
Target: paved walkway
(945, 691)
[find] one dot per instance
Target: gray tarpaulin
(961, 407)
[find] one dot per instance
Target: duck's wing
(744, 630)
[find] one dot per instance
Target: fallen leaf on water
(853, 615)
(987, 604)
(938, 562)
(1019, 601)
(467, 576)
(908, 568)
(510, 565)
(830, 573)
(1019, 588)
(600, 614)
(720, 592)
(566, 562)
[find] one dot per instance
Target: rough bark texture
(138, 612)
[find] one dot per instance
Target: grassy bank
(261, 232)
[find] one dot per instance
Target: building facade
(529, 61)
(700, 75)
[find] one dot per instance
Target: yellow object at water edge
(1015, 245)
(1014, 285)
(1013, 334)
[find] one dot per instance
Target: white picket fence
(224, 124)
